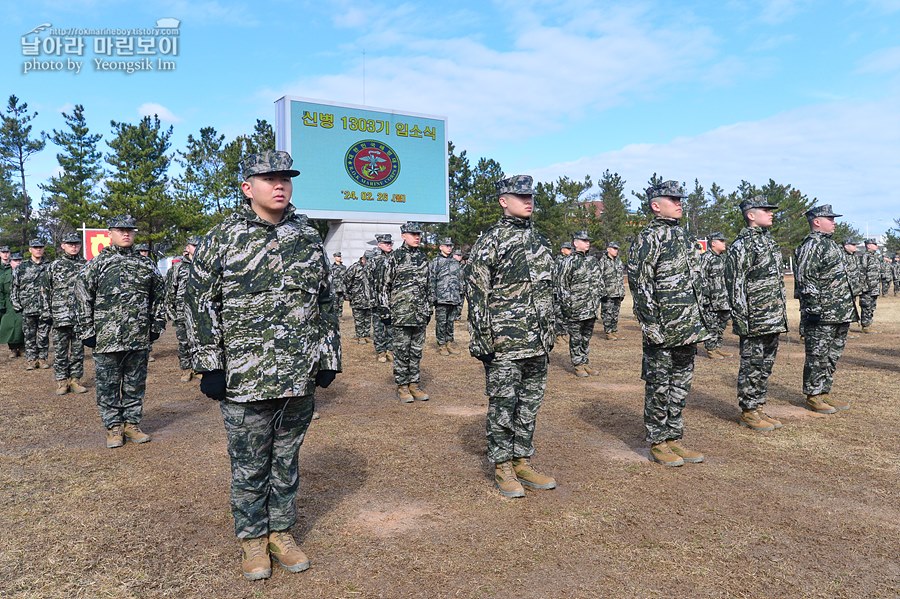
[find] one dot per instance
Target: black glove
(212, 384)
(325, 378)
(386, 320)
(90, 341)
(486, 358)
(154, 335)
(813, 319)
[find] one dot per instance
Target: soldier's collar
(518, 221)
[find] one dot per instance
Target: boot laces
(256, 547)
(286, 540)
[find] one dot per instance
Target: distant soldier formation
(256, 306)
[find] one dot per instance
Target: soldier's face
(871, 247)
(457, 257)
(123, 238)
(446, 249)
(412, 239)
(717, 245)
(825, 224)
(14, 263)
(386, 247)
(581, 245)
(565, 251)
(667, 207)
(71, 248)
(850, 248)
(612, 252)
(520, 206)
(763, 217)
(338, 259)
(36, 252)
(4, 256)
(189, 249)
(269, 194)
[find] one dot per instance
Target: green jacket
(11, 321)
(754, 276)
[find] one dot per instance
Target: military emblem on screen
(372, 164)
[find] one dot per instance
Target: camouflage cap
(384, 238)
(757, 202)
(613, 244)
(72, 238)
(582, 235)
(566, 245)
(520, 185)
(666, 189)
(370, 253)
(411, 226)
(270, 161)
(851, 241)
(457, 252)
(36, 243)
(4, 248)
(122, 221)
(823, 210)
(193, 240)
(142, 247)
(871, 241)
(716, 236)
(446, 241)
(16, 256)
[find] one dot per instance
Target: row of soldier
(260, 324)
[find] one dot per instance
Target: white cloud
(841, 153)
(68, 107)
(881, 62)
(165, 115)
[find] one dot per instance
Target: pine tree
(695, 211)
(481, 207)
(203, 187)
(16, 147)
(614, 224)
(559, 210)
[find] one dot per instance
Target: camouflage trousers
(515, 390)
(824, 345)
(37, 337)
(264, 439)
(757, 360)
(362, 321)
(885, 286)
(184, 348)
(896, 284)
(444, 317)
(667, 373)
(609, 312)
(580, 333)
(561, 325)
(68, 354)
(867, 302)
(383, 334)
(121, 379)
(339, 302)
(716, 321)
(407, 348)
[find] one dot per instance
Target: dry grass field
(397, 500)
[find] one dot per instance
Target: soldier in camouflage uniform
(119, 312)
(383, 333)
(578, 287)
(612, 272)
(11, 322)
(664, 278)
(447, 288)
(176, 285)
(562, 328)
(887, 274)
(359, 289)
(59, 307)
(143, 250)
(509, 280)
(26, 300)
(895, 269)
(754, 276)
(826, 308)
(265, 331)
(851, 265)
(338, 272)
(715, 297)
(405, 302)
(870, 269)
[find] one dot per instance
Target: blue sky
(806, 93)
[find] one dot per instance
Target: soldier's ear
(247, 187)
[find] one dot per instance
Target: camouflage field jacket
(406, 288)
(822, 280)
(176, 285)
(754, 277)
(612, 272)
(59, 289)
(712, 275)
(870, 269)
(27, 281)
(358, 287)
(338, 272)
(579, 286)
(447, 280)
(851, 265)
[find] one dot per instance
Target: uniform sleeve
(46, 292)
(384, 283)
(158, 309)
(14, 290)
(807, 277)
(85, 292)
(171, 280)
(563, 285)
(203, 307)
(330, 340)
(737, 263)
(642, 259)
(482, 262)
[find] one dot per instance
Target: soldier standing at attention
(754, 277)
(265, 331)
(59, 306)
(4, 258)
(826, 308)
(120, 311)
(375, 266)
(562, 328)
(895, 270)
(851, 265)
(509, 279)
(447, 289)
(176, 285)
(612, 272)
(143, 250)
(358, 288)
(338, 271)
(715, 297)
(28, 280)
(11, 322)
(405, 303)
(870, 269)
(577, 287)
(887, 274)
(664, 278)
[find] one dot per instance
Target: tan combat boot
(367, 340)
(662, 454)
(773, 421)
(869, 330)
(453, 348)
(442, 349)
(752, 420)
(580, 372)
(255, 563)
(837, 404)
(43, 364)
(284, 549)
(134, 433)
(506, 481)
(150, 358)
(713, 355)
(114, 437)
(688, 455)
(611, 336)
(530, 477)
(32, 364)
(13, 354)
(62, 387)
(76, 386)
(382, 357)
(724, 354)
(417, 392)
(186, 375)
(403, 394)
(591, 370)
(816, 403)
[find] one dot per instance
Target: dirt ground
(397, 500)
